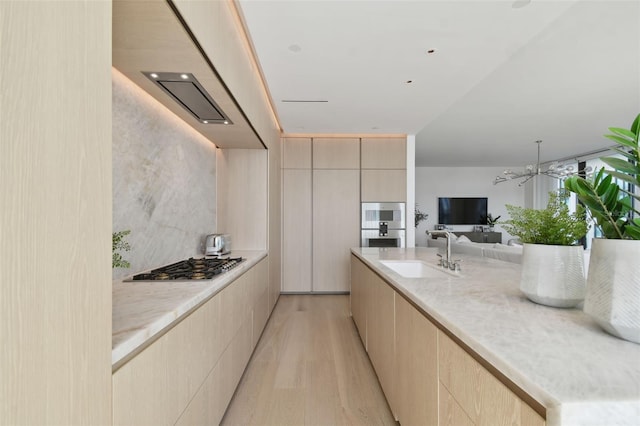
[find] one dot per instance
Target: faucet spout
(447, 234)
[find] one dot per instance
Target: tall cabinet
(336, 211)
(324, 180)
(384, 170)
(296, 215)
(321, 213)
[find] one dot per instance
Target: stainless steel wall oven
(383, 225)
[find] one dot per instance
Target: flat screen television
(462, 211)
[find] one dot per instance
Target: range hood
(185, 89)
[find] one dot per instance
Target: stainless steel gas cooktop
(190, 269)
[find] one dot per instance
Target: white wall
(164, 180)
(434, 182)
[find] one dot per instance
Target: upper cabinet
(296, 153)
(336, 153)
(151, 37)
(384, 153)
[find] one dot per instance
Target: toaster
(217, 245)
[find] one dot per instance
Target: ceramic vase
(553, 275)
(613, 287)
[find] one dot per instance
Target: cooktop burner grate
(190, 269)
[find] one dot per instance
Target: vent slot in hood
(185, 89)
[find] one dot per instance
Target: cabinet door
(417, 366)
(296, 153)
(484, 399)
(296, 230)
(358, 304)
(381, 335)
(383, 153)
(384, 185)
(336, 153)
(336, 227)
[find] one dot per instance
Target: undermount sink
(416, 269)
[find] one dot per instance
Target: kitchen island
(558, 360)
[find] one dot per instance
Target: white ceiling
(501, 77)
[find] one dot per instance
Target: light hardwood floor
(309, 368)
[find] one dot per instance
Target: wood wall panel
(242, 187)
(55, 220)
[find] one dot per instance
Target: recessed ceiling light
(154, 75)
(184, 76)
(206, 122)
(431, 51)
(225, 122)
(520, 3)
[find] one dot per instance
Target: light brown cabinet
(336, 227)
(296, 153)
(384, 185)
(381, 337)
(189, 374)
(384, 174)
(417, 366)
(482, 397)
(336, 153)
(358, 297)
(296, 230)
(427, 378)
(383, 153)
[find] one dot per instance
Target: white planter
(553, 275)
(613, 287)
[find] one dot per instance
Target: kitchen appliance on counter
(190, 269)
(217, 245)
(383, 225)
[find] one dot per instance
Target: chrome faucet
(446, 262)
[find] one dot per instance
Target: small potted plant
(613, 287)
(420, 216)
(552, 263)
(492, 221)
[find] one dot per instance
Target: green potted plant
(613, 287)
(492, 221)
(552, 263)
(420, 216)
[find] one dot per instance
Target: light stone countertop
(560, 357)
(144, 310)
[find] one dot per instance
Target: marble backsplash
(164, 180)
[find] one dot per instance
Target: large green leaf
(623, 132)
(635, 127)
(621, 140)
(620, 164)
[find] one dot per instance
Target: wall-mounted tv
(462, 211)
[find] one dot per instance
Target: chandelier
(555, 170)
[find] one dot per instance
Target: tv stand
(480, 237)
